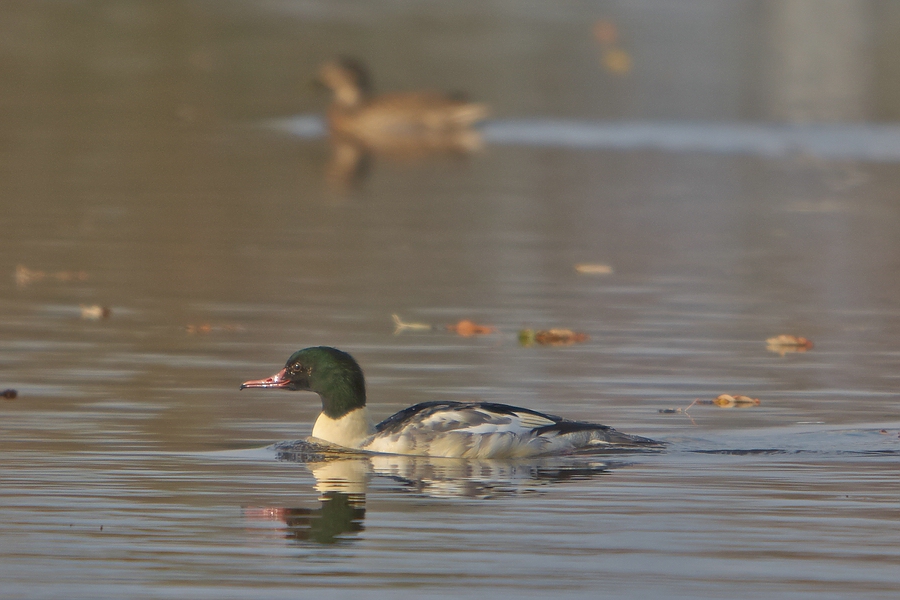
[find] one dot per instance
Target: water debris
(735, 401)
(551, 337)
(25, 276)
(782, 344)
(205, 328)
(606, 32)
(95, 312)
(616, 60)
(9, 394)
(722, 401)
(467, 328)
(593, 269)
(613, 57)
(403, 326)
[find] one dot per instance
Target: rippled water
(141, 174)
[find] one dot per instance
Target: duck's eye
(296, 368)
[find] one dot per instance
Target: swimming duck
(412, 121)
(441, 428)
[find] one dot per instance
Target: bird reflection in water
(339, 517)
(351, 472)
(341, 484)
(400, 125)
(342, 478)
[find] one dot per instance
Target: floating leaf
(722, 401)
(559, 337)
(551, 337)
(605, 32)
(95, 312)
(782, 344)
(616, 60)
(25, 276)
(594, 269)
(467, 328)
(737, 401)
(401, 326)
(205, 328)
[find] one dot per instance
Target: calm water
(141, 172)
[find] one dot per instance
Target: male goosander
(442, 428)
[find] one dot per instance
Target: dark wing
(434, 418)
(471, 417)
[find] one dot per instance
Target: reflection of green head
(340, 513)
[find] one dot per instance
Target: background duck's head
(348, 78)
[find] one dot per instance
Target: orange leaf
(559, 337)
(593, 269)
(467, 328)
(737, 401)
(605, 32)
(782, 344)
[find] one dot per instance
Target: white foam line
(851, 141)
(864, 141)
(305, 126)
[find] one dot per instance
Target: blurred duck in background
(422, 118)
(400, 124)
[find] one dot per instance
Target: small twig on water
(400, 325)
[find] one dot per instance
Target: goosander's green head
(334, 375)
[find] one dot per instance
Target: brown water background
(141, 171)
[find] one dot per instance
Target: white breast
(347, 431)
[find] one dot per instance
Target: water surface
(140, 173)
